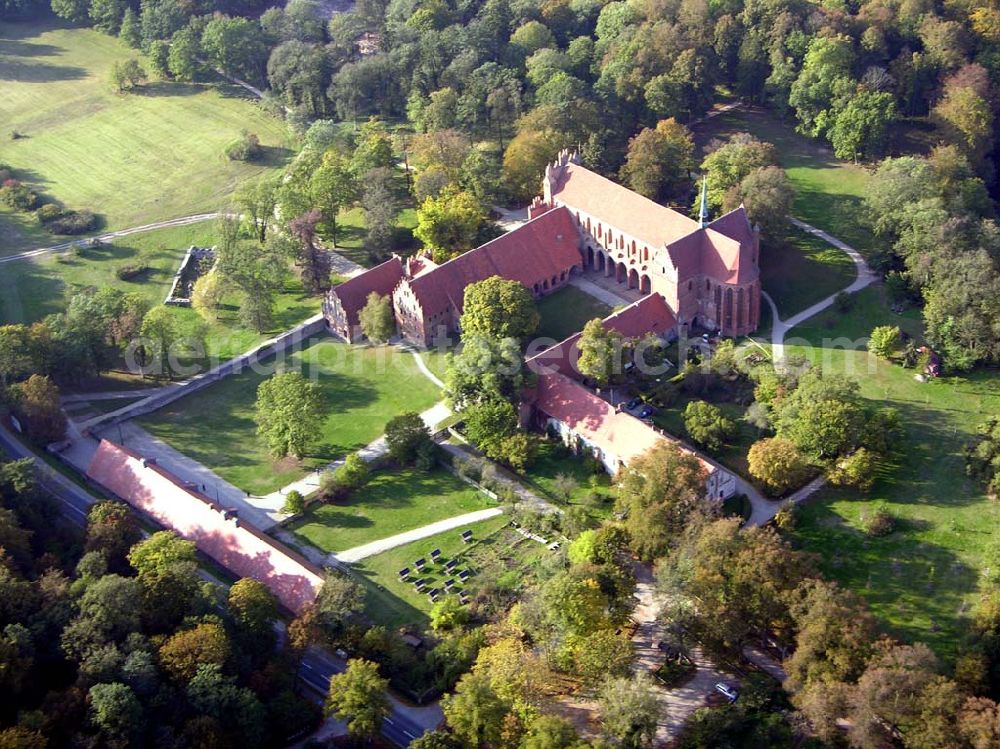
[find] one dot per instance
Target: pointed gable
(535, 252)
(353, 293)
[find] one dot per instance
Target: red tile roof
(617, 206)
(534, 252)
(651, 314)
(240, 548)
(353, 293)
(593, 418)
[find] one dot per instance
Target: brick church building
(707, 272)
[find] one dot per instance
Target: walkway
(377, 547)
(510, 218)
(107, 237)
(598, 292)
(370, 452)
(865, 277)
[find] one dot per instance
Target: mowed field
(133, 159)
(362, 388)
(922, 578)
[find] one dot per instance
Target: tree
(207, 295)
(825, 74)
(658, 161)
(707, 425)
(965, 112)
(333, 186)
(339, 600)
(107, 15)
(449, 224)
(405, 436)
(185, 49)
(778, 464)
(111, 529)
(498, 308)
(660, 493)
(359, 696)
(885, 340)
(127, 75)
(731, 162)
(550, 732)
(159, 552)
(185, 651)
(74, 11)
(36, 403)
(289, 413)
(160, 332)
(767, 194)
(253, 606)
(525, 159)
(380, 208)
(859, 470)
(822, 416)
(313, 261)
(861, 126)
(629, 711)
(116, 711)
(484, 369)
(474, 712)
(448, 613)
(236, 45)
(377, 319)
(489, 423)
(600, 352)
(256, 202)
(130, 31)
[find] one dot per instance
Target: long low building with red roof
(216, 531)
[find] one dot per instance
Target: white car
(727, 691)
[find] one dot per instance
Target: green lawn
(393, 502)
(498, 556)
(593, 491)
(363, 387)
(799, 270)
(920, 579)
(829, 191)
(133, 159)
(733, 454)
(32, 288)
(566, 311)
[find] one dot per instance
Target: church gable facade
(707, 272)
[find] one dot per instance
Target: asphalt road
(317, 666)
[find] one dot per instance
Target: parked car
(646, 412)
(727, 691)
(634, 403)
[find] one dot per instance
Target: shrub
(18, 195)
(295, 503)
(245, 148)
(843, 302)
(73, 222)
(881, 522)
(48, 212)
(130, 271)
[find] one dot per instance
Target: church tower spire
(703, 215)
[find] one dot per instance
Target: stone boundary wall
(283, 342)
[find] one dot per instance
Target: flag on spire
(703, 216)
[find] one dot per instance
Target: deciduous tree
(36, 403)
(289, 414)
(359, 695)
(498, 308)
(778, 464)
(377, 319)
(449, 224)
(707, 425)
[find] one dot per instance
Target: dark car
(634, 403)
(646, 412)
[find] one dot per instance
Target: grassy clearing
(498, 556)
(593, 491)
(133, 159)
(920, 579)
(363, 387)
(33, 288)
(799, 270)
(392, 502)
(829, 191)
(566, 311)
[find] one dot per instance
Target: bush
(673, 673)
(245, 148)
(48, 212)
(881, 522)
(18, 195)
(295, 503)
(130, 271)
(843, 302)
(73, 222)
